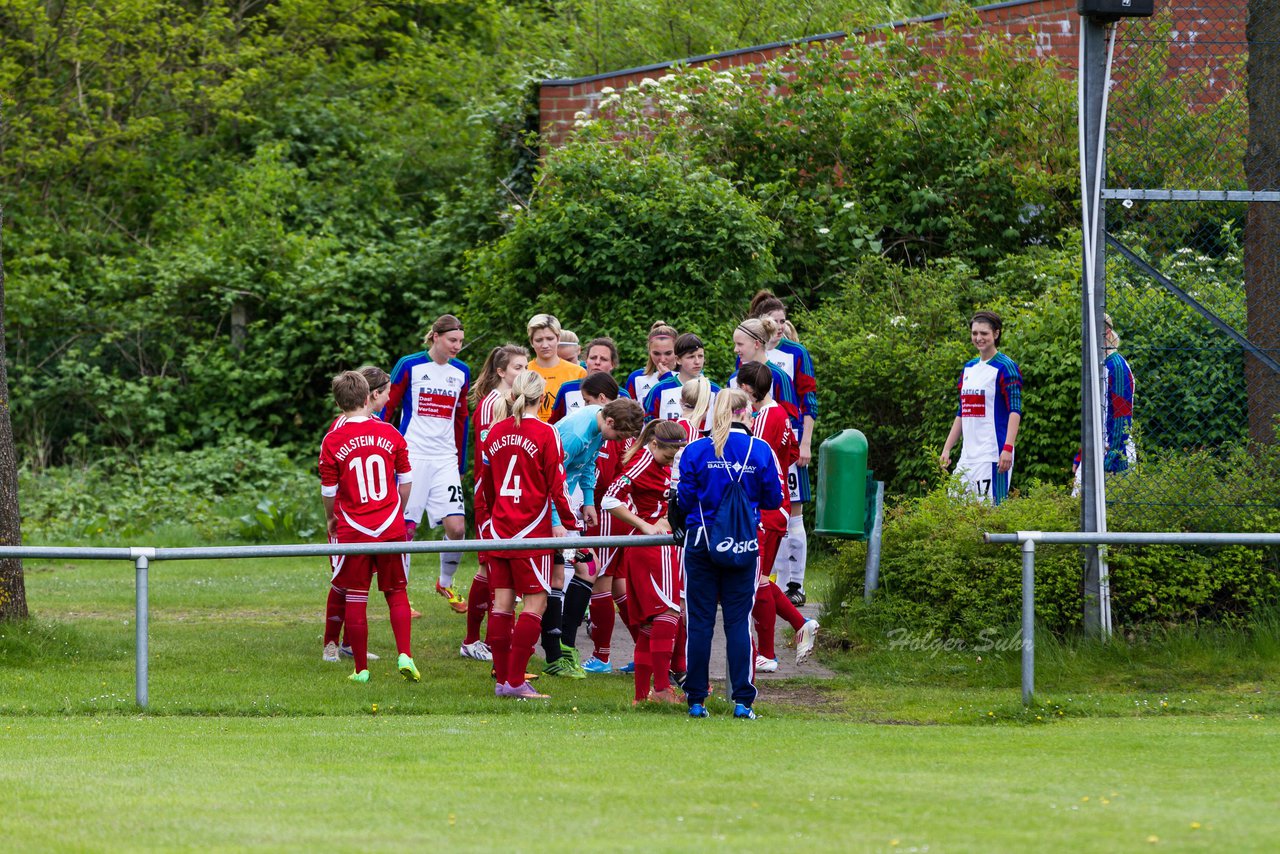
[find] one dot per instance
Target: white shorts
(437, 491)
(984, 481)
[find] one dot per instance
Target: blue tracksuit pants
(735, 590)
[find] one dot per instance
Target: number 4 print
(511, 483)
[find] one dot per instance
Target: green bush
(889, 348)
(937, 575)
(205, 491)
(613, 243)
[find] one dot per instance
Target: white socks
(796, 544)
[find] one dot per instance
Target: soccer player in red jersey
(638, 499)
(521, 477)
(365, 479)
(793, 358)
(500, 369)
(335, 608)
(430, 389)
(771, 423)
(609, 589)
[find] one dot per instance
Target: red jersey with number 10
(360, 461)
(520, 476)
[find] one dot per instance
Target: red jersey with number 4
(520, 476)
(360, 462)
(773, 425)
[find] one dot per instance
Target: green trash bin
(842, 486)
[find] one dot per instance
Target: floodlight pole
(1093, 82)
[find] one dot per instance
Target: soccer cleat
(565, 667)
(666, 696)
(595, 665)
(766, 665)
(414, 613)
(629, 668)
(805, 639)
(795, 594)
(361, 676)
(345, 650)
(525, 692)
(456, 602)
(407, 668)
(743, 713)
(697, 710)
(479, 651)
(330, 652)
(528, 677)
(571, 652)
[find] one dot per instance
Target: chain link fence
(1192, 282)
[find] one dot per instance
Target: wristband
(1008, 447)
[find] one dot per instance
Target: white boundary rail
(1028, 540)
(141, 557)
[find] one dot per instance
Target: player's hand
(590, 516)
(806, 455)
(1006, 461)
(662, 526)
(559, 531)
(332, 526)
(944, 460)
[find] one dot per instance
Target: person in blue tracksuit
(706, 468)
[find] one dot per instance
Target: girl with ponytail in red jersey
(609, 589)
(500, 369)
(771, 423)
(521, 476)
(638, 499)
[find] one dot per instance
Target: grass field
(252, 741)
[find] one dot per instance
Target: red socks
(644, 665)
(398, 607)
(661, 642)
(626, 618)
(786, 610)
(358, 627)
(765, 616)
(333, 612)
(528, 630)
(500, 624)
(602, 622)
(477, 604)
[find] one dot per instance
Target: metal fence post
(872, 579)
(141, 609)
(1028, 619)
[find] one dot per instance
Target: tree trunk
(1262, 229)
(13, 591)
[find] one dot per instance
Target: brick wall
(1050, 28)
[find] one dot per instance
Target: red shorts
(355, 572)
(655, 580)
(610, 561)
(770, 542)
(522, 574)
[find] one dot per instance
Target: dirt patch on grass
(800, 695)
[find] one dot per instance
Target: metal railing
(1028, 540)
(142, 557)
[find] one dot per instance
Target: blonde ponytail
(526, 391)
(728, 402)
(695, 396)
